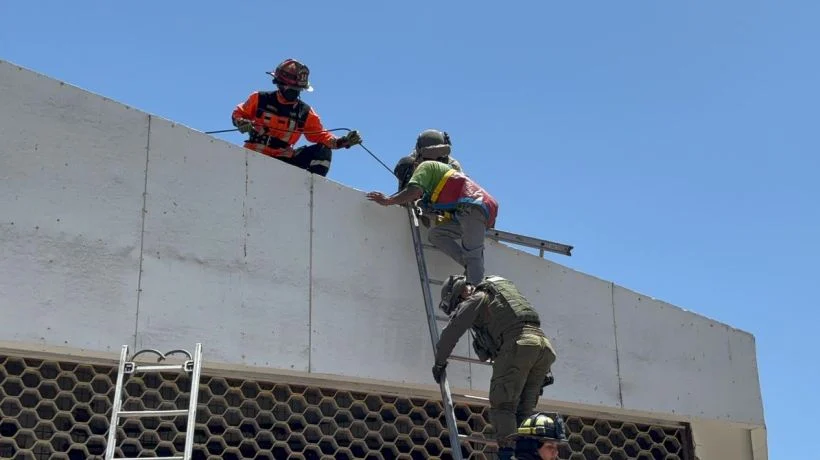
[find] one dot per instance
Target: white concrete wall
(705, 366)
(224, 254)
(117, 227)
(715, 440)
(72, 172)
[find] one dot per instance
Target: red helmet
(292, 73)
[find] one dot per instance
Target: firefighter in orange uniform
(275, 120)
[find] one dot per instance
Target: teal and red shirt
(447, 189)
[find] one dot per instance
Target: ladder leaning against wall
(432, 318)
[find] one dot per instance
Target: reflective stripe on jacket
(285, 121)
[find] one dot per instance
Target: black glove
(438, 369)
(348, 140)
(244, 125)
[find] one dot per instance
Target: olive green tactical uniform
(507, 330)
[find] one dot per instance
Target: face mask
(290, 94)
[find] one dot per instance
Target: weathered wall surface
(225, 258)
(717, 440)
(72, 172)
(705, 366)
(118, 227)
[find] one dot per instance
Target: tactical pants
(469, 225)
(314, 158)
(518, 376)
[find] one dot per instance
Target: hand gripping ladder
(192, 366)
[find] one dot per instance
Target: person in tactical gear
(506, 330)
(433, 145)
(539, 436)
(442, 188)
(275, 120)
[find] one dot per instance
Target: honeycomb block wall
(61, 410)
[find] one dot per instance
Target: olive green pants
(518, 376)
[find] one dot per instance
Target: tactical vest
(508, 310)
(287, 118)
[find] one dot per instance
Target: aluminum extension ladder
(192, 366)
(432, 317)
(536, 243)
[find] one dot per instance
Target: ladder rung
(477, 439)
(159, 367)
(152, 413)
(480, 398)
(470, 360)
(152, 458)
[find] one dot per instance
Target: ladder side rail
(424, 280)
(193, 401)
(529, 241)
(444, 386)
(111, 443)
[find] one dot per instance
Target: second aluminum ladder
(127, 366)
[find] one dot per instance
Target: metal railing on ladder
(127, 366)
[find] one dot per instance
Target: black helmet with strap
(404, 170)
(450, 291)
(432, 144)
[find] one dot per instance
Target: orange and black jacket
(285, 122)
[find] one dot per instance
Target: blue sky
(670, 142)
